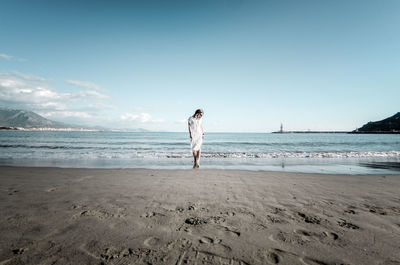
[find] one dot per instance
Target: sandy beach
(139, 216)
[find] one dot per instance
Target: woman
(196, 132)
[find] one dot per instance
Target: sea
(289, 152)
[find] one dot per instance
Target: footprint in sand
(273, 257)
(276, 220)
(309, 218)
(214, 245)
(230, 214)
(129, 256)
(117, 256)
(290, 238)
(152, 242)
(177, 252)
(151, 214)
(277, 256)
(206, 240)
(375, 209)
(100, 214)
(195, 221)
(325, 237)
(201, 226)
(350, 211)
(345, 224)
(277, 210)
(181, 244)
(382, 211)
(191, 207)
(277, 215)
(319, 236)
(303, 237)
(310, 261)
(331, 235)
(205, 257)
(217, 219)
(231, 231)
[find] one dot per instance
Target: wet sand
(138, 216)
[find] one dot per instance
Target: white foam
(179, 155)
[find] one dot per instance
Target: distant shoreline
(283, 132)
(347, 132)
(6, 128)
(396, 132)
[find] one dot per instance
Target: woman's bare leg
(195, 159)
(198, 158)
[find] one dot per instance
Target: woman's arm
(190, 130)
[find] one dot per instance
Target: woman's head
(199, 113)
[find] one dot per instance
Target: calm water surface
(323, 153)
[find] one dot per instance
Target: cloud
(86, 106)
(16, 87)
(9, 57)
(66, 114)
(141, 117)
(29, 77)
(84, 84)
(26, 91)
(145, 117)
(36, 92)
(53, 105)
(83, 95)
(129, 117)
(5, 56)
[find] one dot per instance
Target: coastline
(315, 165)
(312, 153)
(206, 216)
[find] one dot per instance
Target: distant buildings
(50, 129)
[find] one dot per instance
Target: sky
(250, 65)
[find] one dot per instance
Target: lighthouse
(281, 131)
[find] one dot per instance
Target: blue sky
(318, 65)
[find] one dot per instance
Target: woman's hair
(198, 111)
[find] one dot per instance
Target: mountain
(13, 118)
(28, 119)
(388, 125)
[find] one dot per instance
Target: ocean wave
(304, 155)
(149, 154)
(241, 155)
(144, 147)
(297, 143)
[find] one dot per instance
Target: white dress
(197, 133)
